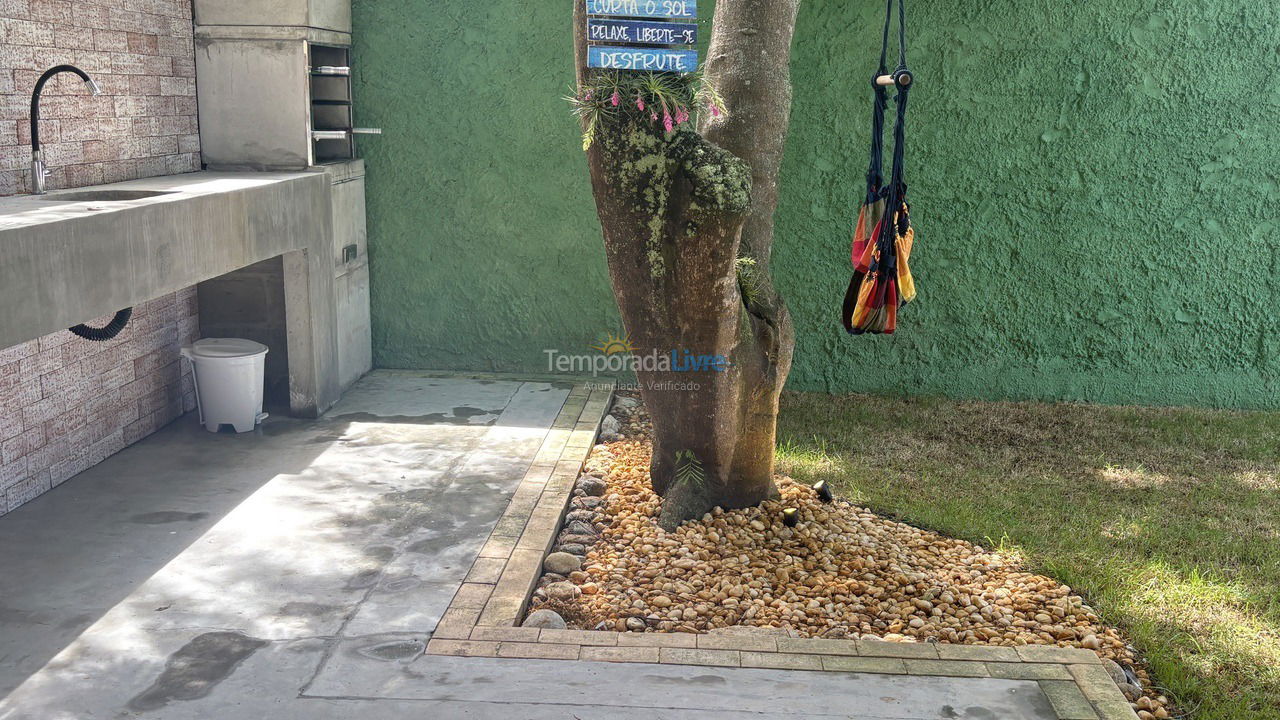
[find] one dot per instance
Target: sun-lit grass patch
(1167, 520)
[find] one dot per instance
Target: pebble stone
(610, 426)
(562, 563)
(577, 527)
(545, 619)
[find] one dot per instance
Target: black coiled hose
(106, 332)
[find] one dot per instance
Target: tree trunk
(688, 228)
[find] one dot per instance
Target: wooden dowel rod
(887, 80)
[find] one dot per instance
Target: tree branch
(749, 65)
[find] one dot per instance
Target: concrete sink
(103, 195)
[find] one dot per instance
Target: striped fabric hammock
(883, 237)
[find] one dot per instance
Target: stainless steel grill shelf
(332, 130)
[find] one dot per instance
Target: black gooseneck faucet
(38, 174)
(38, 170)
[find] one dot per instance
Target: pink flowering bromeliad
(663, 98)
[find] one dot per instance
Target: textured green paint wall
(483, 243)
(1095, 188)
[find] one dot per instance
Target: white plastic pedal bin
(228, 374)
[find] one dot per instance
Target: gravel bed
(841, 572)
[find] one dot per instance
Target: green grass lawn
(1166, 520)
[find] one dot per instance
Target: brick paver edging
(482, 620)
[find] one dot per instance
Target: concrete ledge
(505, 634)
(1052, 653)
(884, 666)
(539, 651)
(987, 653)
(541, 507)
(1032, 671)
(737, 642)
(948, 668)
(781, 661)
(683, 640)
(580, 637)
(620, 654)
(686, 656)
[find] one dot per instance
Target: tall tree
(688, 219)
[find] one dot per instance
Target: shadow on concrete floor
(279, 533)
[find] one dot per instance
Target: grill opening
(331, 117)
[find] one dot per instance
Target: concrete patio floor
(298, 572)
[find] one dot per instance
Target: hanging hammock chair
(882, 239)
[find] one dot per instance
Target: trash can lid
(227, 348)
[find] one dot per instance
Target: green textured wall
(1095, 187)
(484, 247)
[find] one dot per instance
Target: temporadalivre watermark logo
(615, 355)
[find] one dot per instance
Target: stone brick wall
(141, 54)
(66, 404)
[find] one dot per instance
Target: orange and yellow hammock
(883, 238)
(882, 280)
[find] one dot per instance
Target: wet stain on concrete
(1030, 696)
(78, 621)
(401, 584)
(363, 579)
(428, 419)
(430, 545)
(381, 553)
(454, 511)
(162, 517)
(276, 429)
(307, 609)
(327, 439)
(26, 617)
(195, 669)
(400, 650)
(694, 680)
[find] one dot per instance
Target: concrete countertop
(64, 262)
(21, 211)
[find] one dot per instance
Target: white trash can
(228, 375)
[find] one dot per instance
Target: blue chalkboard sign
(641, 32)
(644, 8)
(650, 59)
